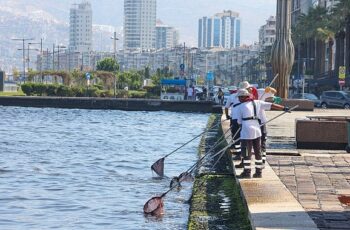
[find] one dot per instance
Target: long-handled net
(187, 175)
(154, 206)
(158, 166)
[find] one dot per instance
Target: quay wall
(127, 104)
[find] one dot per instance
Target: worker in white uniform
(264, 94)
(231, 103)
(250, 123)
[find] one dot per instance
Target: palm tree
(328, 35)
(309, 34)
(341, 24)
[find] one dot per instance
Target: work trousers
(263, 142)
(236, 136)
(247, 146)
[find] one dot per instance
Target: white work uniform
(231, 101)
(251, 128)
(263, 96)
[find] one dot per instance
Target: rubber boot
(245, 174)
(258, 173)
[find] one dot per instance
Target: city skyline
(181, 14)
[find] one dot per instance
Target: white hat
(243, 93)
(244, 85)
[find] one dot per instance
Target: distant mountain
(48, 20)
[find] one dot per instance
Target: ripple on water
(90, 169)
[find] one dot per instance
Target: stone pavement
(299, 182)
(318, 179)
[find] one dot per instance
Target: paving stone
(310, 205)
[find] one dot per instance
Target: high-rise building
(221, 30)
(140, 24)
(80, 31)
(267, 33)
(166, 36)
(300, 7)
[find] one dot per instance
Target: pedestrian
(231, 103)
(247, 117)
(204, 93)
(220, 96)
(190, 93)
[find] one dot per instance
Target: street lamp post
(24, 54)
(28, 56)
(115, 60)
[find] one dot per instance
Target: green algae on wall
(216, 202)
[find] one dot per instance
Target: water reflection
(90, 169)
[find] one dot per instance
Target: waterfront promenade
(300, 189)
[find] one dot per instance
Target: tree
(147, 74)
(107, 64)
(135, 81)
(15, 73)
(310, 33)
(341, 25)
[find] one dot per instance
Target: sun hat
(243, 93)
(244, 85)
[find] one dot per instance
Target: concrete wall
(304, 105)
(109, 103)
(321, 134)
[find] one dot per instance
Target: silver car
(336, 99)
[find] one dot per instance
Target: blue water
(90, 169)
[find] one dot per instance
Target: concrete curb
(270, 204)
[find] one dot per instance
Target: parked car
(308, 96)
(340, 99)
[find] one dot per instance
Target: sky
(185, 14)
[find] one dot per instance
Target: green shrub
(91, 92)
(39, 88)
(100, 87)
(27, 88)
(63, 91)
(51, 90)
(136, 94)
(152, 89)
(104, 93)
(152, 96)
(77, 92)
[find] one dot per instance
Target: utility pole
(24, 54)
(115, 58)
(29, 44)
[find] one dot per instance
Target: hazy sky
(182, 14)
